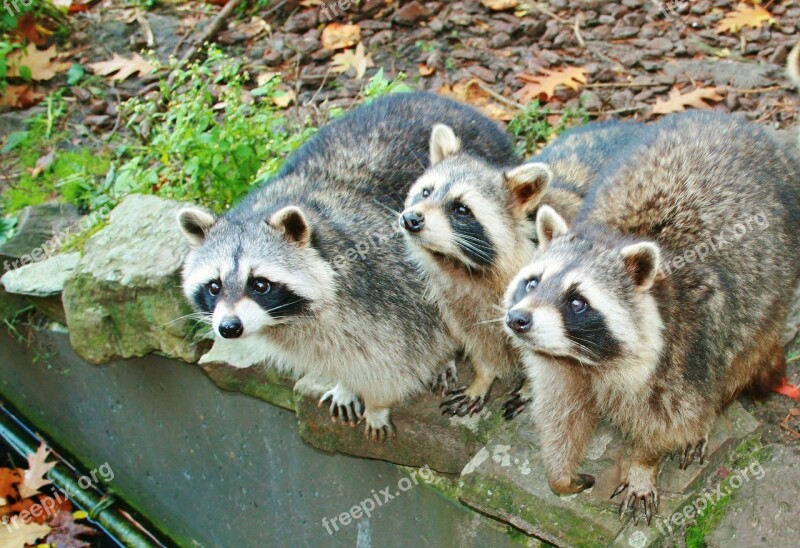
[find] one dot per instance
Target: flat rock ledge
(122, 298)
(506, 480)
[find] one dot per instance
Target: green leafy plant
(212, 141)
(532, 129)
(378, 86)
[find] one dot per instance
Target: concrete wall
(213, 468)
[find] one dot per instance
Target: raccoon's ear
(294, 225)
(549, 226)
(527, 183)
(641, 262)
(444, 143)
(195, 224)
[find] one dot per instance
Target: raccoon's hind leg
(639, 490)
(345, 405)
(379, 423)
(519, 399)
(445, 379)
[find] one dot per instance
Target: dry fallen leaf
(426, 70)
(43, 163)
(9, 479)
(543, 86)
(311, 3)
(34, 477)
(340, 36)
(22, 534)
(283, 98)
(20, 97)
(500, 5)
(67, 532)
(696, 98)
(744, 16)
(121, 68)
(42, 63)
(470, 91)
(356, 59)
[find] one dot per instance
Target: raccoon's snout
(519, 320)
(231, 327)
(413, 221)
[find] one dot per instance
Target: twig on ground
(319, 89)
(759, 90)
(208, 34)
(543, 10)
(147, 30)
(493, 93)
(577, 29)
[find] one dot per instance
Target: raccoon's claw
(380, 434)
(692, 452)
(644, 499)
(379, 425)
(345, 406)
(514, 405)
(444, 380)
(462, 404)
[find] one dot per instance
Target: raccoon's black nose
(519, 320)
(231, 327)
(413, 221)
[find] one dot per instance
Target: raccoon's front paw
(692, 452)
(445, 379)
(461, 402)
(345, 405)
(638, 493)
(516, 403)
(379, 424)
(570, 486)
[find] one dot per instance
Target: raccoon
(468, 225)
(664, 301)
(306, 273)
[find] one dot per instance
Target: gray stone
(506, 480)
(793, 320)
(39, 232)
(37, 227)
(764, 510)
(726, 72)
(124, 298)
(43, 279)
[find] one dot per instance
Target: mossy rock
(506, 480)
(124, 298)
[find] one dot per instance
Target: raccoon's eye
(532, 283)
(260, 285)
(214, 288)
(426, 192)
(461, 210)
(578, 306)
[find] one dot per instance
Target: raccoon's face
(245, 276)
(466, 212)
(583, 300)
